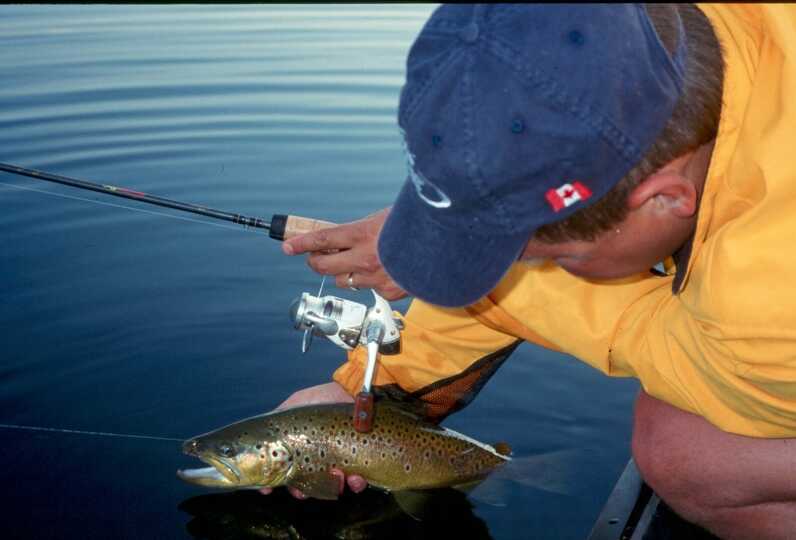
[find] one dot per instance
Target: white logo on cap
(434, 196)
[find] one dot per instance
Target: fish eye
(225, 450)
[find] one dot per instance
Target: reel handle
(363, 404)
(363, 412)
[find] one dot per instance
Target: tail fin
(554, 472)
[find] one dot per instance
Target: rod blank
(127, 193)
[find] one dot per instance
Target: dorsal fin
(503, 449)
(395, 397)
(413, 412)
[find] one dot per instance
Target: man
(597, 142)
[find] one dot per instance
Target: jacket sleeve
(447, 356)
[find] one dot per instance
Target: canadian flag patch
(566, 195)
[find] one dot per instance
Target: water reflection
(371, 514)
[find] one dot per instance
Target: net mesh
(446, 396)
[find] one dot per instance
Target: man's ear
(665, 190)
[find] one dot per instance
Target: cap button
(469, 33)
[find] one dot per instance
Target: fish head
(238, 458)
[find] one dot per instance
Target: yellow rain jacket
(723, 345)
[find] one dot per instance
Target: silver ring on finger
(351, 282)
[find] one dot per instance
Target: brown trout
(298, 447)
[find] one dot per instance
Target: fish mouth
(221, 473)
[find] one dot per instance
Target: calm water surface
(122, 321)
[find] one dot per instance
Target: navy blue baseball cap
(515, 116)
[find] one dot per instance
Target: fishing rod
(346, 323)
(279, 227)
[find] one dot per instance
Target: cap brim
(443, 266)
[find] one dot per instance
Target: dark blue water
(121, 321)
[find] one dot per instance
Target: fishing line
(80, 432)
(119, 206)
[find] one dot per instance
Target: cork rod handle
(284, 227)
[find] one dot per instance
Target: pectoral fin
(319, 486)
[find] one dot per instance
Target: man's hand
(323, 393)
(348, 250)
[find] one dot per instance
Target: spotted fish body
(299, 447)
